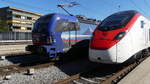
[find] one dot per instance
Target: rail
(114, 78)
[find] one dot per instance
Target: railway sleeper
(85, 81)
(91, 81)
(99, 78)
(76, 82)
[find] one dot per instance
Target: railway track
(87, 77)
(101, 75)
(14, 68)
(23, 62)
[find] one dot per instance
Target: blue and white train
(56, 33)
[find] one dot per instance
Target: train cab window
(116, 21)
(63, 26)
(41, 25)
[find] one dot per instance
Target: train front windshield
(116, 21)
(41, 25)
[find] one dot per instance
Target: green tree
(3, 25)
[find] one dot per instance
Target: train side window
(63, 26)
(73, 26)
(142, 24)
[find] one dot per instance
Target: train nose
(101, 44)
(103, 56)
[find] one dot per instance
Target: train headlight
(119, 36)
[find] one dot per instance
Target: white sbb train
(120, 37)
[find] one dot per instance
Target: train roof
(61, 15)
(79, 18)
(126, 12)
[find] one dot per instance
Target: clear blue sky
(98, 9)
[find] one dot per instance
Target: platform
(12, 49)
(15, 41)
(140, 75)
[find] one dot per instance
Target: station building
(18, 20)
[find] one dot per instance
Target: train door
(124, 48)
(72, 35)
(147, 33)
(144, 26)
(69, 38)
(68, 29)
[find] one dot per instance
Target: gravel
(12, 49)
(5, 63)
(41, 76)
(50, 74)
(17, 60)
